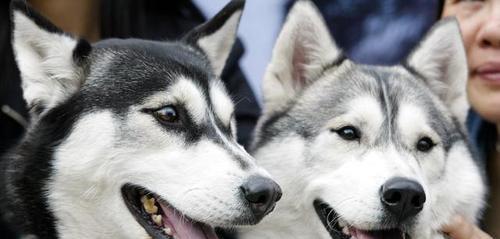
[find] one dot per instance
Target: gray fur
(392, 85)
(307, 100)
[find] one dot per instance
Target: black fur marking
(335, 63)
(81, 51)
(23, 7)
(27, 172)
(142, 68)
(413, 71)
(186, 125)
(208, 130)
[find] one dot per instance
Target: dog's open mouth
(161, 220)
(341, 230)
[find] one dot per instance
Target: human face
(480, 24)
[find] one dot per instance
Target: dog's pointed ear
(50, 62)
(216, 37)
(303, 48)
(440, 58)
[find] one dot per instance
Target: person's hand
(459, 228)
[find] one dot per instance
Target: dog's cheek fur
(83, 189)
(281, 157)
(366, 171)
(199, 178)
(104, 152)
(458, 190)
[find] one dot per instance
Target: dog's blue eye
(348, 133)
(167, 114)
(425, 144)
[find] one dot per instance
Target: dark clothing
(10, 86)
(482, 136)
(380, 32)
(11, 101)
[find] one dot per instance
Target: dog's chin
(338, 228)
(160, 219)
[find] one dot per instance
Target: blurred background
(370, 31)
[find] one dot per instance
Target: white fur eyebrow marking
(183, 91)
(363, 110)
(221, 103)
(413, 123)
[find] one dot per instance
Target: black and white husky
(362, 151)
(129, 138)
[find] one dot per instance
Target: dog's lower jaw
(80, 222)
(85, 210)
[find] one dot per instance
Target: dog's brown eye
(348, 133)
(425, 144)
(167, 114)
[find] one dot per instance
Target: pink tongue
(186, 229)
(387, 234)
(362, 234)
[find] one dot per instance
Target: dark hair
(440, 8)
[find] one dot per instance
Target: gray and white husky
(130, 138)
(364, 151)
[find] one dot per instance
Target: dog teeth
(157, 219)
(168, 231)
(345, 230)
(342, 224)
(149, 204)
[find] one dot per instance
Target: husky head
(130, 138)
(365, 151)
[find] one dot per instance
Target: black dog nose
(262, 194)
(402, 197)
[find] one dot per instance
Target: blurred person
(480, 24)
